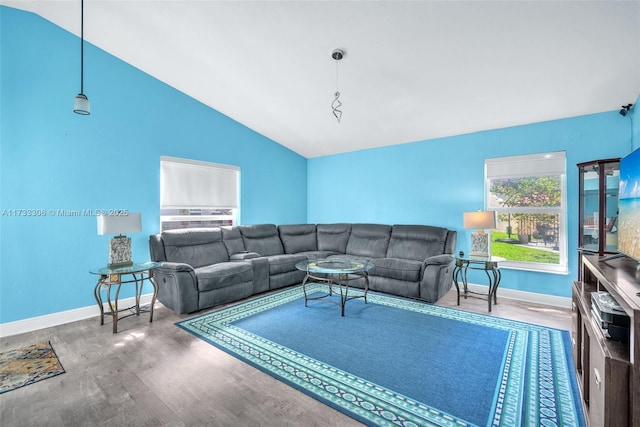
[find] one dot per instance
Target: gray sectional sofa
(202, 268)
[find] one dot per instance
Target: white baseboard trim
(544, 299)
(62, 317)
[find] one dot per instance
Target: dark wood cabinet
(598, 186)
(608, 371)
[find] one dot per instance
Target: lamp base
(120, 251)
(119, 264)
(479, 244)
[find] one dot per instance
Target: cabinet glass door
(599, 182)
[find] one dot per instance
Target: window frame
(548, 164)
(193, 215)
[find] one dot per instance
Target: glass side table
(109, 277)
(487, 264)
(335, 271)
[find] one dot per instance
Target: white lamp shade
(119, 224)
(81, 104)
(480, 220)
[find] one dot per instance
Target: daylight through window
(528, 195)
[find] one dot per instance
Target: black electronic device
(612, 319)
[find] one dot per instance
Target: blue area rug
(395, 361)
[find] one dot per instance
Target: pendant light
(81, 102)
(337, 55)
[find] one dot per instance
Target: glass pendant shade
(81, 104)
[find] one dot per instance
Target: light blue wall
(433, 182)
(51, 158)
(54, 159)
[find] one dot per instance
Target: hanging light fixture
(337, 55)
(81, 102)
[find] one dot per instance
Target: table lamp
(480, 239)
(119, 246)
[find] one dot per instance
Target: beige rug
(27, 365)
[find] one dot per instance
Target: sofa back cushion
(417, 242)
(195, 246)
(298, 238)
(369, 240)
(262, 238)
(450, 245)
(333, 237)
(156, 248)
(232, 240)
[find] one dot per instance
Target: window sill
(535, 267)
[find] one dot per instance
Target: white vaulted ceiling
(413, 70)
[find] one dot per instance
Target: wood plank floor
(159, 375)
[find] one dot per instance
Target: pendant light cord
(82, 46)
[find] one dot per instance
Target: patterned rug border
(549, 388)
(11, 361)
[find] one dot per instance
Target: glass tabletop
(127, 269)
(334, 266)
(477, 258)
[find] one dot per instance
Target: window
(528, 195)
(197, 194)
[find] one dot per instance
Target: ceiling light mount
(337, 54)
(625, 109)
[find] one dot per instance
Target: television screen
(629, 206)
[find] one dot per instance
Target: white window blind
(192, 184)
(528, 165)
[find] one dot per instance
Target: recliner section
(202, 268)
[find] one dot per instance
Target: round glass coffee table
(336, 272)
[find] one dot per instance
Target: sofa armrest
(243, 256)
(437, 277)
(443, 259)
(174, 266)
(177, 286)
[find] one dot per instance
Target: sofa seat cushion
(279, 264)
(223, 274)
(349, 257)
(317, 254)
(396, 268)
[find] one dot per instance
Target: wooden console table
(608, 371)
